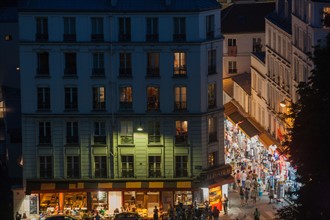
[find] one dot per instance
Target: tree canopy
(308, 145)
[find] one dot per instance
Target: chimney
(167, 2)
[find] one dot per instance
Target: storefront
(80, 198)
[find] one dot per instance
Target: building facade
(120, 104)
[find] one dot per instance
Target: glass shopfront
(75, 201)
(184, 197)
(99, 200)
(215, 195)
(49, 202)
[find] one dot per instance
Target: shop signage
(218, 172)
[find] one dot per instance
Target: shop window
(153, 132)
(99, 200)
(99, 132)
(180, 67)
(34, 204)
(126, 132)
(180, 102)
(211, 95)
(127, 166)
(45, 167)
(153, 98)
(154, 166)
(49, 202)
(181, 166)
(212, 129)
(100, 166)
(184, 197)
(73, 201)
(181, 132)
(126, 97)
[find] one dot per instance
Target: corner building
(120, 103)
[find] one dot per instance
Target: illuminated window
(153, 64)
(153, 98)
(326, 17)
(181, 132)
(126, 97)
(180, 68)
(211, 95)
(232, 67)
(8, 37)
(180, 102)
(99, 98)
(212, 159)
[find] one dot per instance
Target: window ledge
(182, 144)
(42, 77)
(70, 77)
(98, 77)
(126, 145)
(45, 145)
(72, 145)
(99, 145)
(155, 145)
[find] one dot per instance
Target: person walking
(225, 202)
(256, 214)
(241, 194)
(155, 213)
(18, 216)
(246, 194)
(271, 195)
(216, 213)
(254, 195)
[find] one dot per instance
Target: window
(126, 99)
(181, 132)
(43, 64)
(153, 132)
(152, 64)
(72, 132)
(99, 98)
(181, 166)
(212, 62)
(125, 65)
(152, 29)
(44, 133)
(126, 132)
(124, 29)
(231, 42)
(153, 98)
(70, 64)
(69, 29)
(257, 45)
(210, 27)
(180, 102)
(232, 47)
(98, 64)
(154, 166)
(232, 67)
(71, 98)
(8, 37)
(212, 159)
(127, 166)
(211, 95)
(212, 129)
(45, 167)
(99, 133)
(179, 29)
(43, 98)
(97, 29)
(179, 64)
(42, 29)
(100, 166)
(72, 167)
(326, 17)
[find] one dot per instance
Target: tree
(308, 142)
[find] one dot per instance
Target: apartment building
(120, 104)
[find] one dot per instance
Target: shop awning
(222, 181)
(265, 139)
(233, 114)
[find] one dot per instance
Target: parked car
(60, 217)
(127, 216)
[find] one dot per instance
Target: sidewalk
(236, 211)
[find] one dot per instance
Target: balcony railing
(124, 37)
(181, 139)
(125, 72)
(180, 105)
(179, 37)
(100, 140)
(44, 106)
(152, 72)
(43, 71)
(232, 71)
(97, 37)
(180, 71)
(72, 139)
(41, 37)
(155, 173)
(125, 105)
(211, 103)
(70, 71)
(152, 37)
(127, 173)
(152, 139)
(153, 106)
(98, 72)
(232, 51)
(69, 37)
(125, 139)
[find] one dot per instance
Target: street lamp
(283, 103)
(139, 128)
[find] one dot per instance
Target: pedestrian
(24, 216)
(256, 214)
(97, 216)
(18, 216)
(155, 213)
(246, 194)
(271, 194)
(171, 212)
(225, 202)
(254, 195)
(241, 194)
(243, 177)
(216, 213)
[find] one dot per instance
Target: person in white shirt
(243, 176)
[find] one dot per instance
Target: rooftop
(119, 5)
(245, 18)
